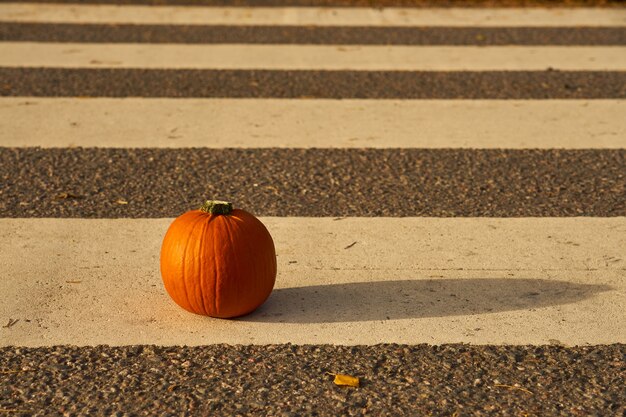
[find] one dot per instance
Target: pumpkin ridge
(202, 277)
(229, 233)
(251, 250)
(191, 233)
(215, 281)
(183, 261)
(213, 218)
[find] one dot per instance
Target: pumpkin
(218, 261)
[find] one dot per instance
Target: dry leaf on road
(345, 380)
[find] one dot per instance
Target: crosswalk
(456, 177)
(326, 180)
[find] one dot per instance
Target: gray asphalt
(549, 84)
(196, 34)
(287, 380)
(87, 182)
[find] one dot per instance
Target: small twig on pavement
(350, 245)
(11, 323)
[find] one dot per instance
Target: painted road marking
(267, 123)
(313, 57)
(317, 16)
(407, 280)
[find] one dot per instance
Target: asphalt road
(288, 380)
(317, 35)
(87, 182)
(449, 379)
(70, 82)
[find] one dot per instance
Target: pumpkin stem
(217, 207)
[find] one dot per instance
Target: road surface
(445, 188)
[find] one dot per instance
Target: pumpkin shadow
(404, 299)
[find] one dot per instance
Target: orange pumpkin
(218, 261)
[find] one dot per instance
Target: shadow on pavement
(403, 299)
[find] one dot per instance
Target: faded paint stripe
(276, 123)
(352, 3)
(480, 281)
(313, 57)
(316, 16)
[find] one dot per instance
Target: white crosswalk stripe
(348, 123)
(313, 57)
(318, 16)
(406, 280)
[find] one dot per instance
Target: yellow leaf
(348, 380)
